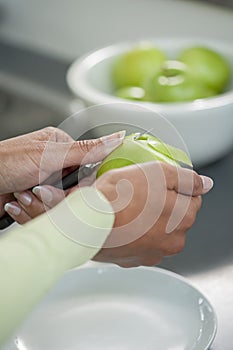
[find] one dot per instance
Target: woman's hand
(162, 205)
(31, 159)
(154, 203)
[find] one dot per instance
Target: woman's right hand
(163, 202)
(154, 203)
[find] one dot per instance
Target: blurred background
(39, 40)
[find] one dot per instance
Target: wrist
(76, 228)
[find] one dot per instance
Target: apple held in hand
(140, 149)
(173, 83)
(208, 66)
(133, 67)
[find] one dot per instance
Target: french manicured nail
(115, 138)
(24, 198)
(207, 182)
(43, 193)
(112, 141)
(12, 209)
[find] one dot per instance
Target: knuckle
(117, 174)
(84, 146)
(175, 247)
(189, 219)
(180, 246)
(50, 129)
(50, 132)
(171, 173)
(167, 168)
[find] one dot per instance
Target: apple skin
(133, 67)
(207, 66)
(146, 148)
(173, 83)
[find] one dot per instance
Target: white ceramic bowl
(206, 125)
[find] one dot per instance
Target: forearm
(34, 257)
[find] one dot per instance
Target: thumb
(94, 150)
(186, 181)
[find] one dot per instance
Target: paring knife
(139, 134)
(65, 183)
(68, 181)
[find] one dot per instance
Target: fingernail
(207, 182)
(115, 138)
(24, 198)
(111, 142)
(43, 193)
(12, 209)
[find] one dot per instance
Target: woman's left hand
(44, 155)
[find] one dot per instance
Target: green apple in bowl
(208, 66)
(138, 148)
(173, 83)
(134, 93)
(133, 67)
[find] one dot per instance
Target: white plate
(109, 308)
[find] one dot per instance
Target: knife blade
(139, 134)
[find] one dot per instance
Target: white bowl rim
(81, 88)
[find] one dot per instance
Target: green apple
(133, 67)
(173, 83)
(135, 93)
(140, 149)
(208, 66)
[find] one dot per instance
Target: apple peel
(171, 152)
(146, 148)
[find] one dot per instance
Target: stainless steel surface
(208, 257)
